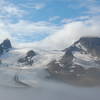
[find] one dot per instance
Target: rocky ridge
(5, 46)
(80, 64)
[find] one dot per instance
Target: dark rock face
(92, 44)
(28, 59)
(72, 48)
(63, 64)
(22, 60)
(67, 58)
(65, 69)
(5, 46)
(1, 50)
(30, 53)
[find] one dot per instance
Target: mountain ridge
(78, 64)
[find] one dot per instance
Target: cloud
(27, 31)
(80, 18)
(66, 20)
(13, 11)
(10, 10)
(32, 29)
(54, 37)
(71, 32)
(3, 31)
(33, 5)
(54, 18)
(38, 6)
(93, 10)
(90, 6)
(46, 34)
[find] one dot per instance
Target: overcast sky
(48, 23)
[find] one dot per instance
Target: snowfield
(85, 60)
(20, 82)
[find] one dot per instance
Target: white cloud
(3, 31)
(26, 30)
(54, 18)
(66, 20)
(90, 6)
(36, 6)
(59, 37)
(93, 10)
(72, 32)
(30, 28)
(80, 18)
(10, 10)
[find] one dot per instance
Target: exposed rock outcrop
(28, 59)
(92, 45)
(5, 46)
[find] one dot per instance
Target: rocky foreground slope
(80, 64)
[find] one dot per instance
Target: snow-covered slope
(77, 61)
(80, 64)
(86, 60)
(14, 72)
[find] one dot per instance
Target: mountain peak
(90, 44)
(80, 64)
(5, 46)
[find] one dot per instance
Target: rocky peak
(67, 58)
(28, 59)
(5, 46)
(30, 54)
(91, 44)
(80, 63)
(86, 45)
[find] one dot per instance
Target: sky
(52, 24)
